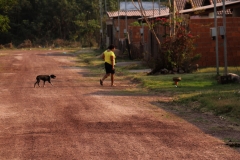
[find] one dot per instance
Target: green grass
(198, 91)
(201, 89)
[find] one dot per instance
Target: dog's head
(52, 76)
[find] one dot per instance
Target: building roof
(211, 7)
(182, 6)
(185, 5)
(190, 4)
(137, 13)
(146, 5)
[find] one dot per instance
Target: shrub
(176, 51)
(26, 44)
(8, 45)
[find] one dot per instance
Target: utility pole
(142, 29)
(216, 28)
(101, 30)
(159, 11)
(125, 16)
(225, 38)
(105, 6)
(153, 8)
(118, 29)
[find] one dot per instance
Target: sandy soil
(79, 119)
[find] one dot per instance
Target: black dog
(44, 78)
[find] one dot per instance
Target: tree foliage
(176, 49)
(5, 6)
(43, 21)
(176, 52)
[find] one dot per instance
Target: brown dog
(44, 78)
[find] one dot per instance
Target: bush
(176, 51)
(26, 44)
(8, 45)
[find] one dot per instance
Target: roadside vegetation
(198, 91)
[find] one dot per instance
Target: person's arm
(112, 61)
(103, 56)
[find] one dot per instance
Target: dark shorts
(108, 68)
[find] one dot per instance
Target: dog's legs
(37, 82)
(50, 82)
(43, 83)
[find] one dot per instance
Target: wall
(122, 26)
(206, 46)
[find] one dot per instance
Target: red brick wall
(136, 35)
(122, 26)
(134, 31)
(206, 46)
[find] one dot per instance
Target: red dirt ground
(79, 119)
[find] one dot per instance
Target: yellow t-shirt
(108, 55)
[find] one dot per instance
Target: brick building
(199, 24)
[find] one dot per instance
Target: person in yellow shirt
(109, 58)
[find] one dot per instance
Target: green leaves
(179, 49)
(5, 7)
(4, 23)
(46, 20)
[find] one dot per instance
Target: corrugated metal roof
(146, 5)
(210, 7)
(180, 5)
(227, 12)
(202, 3)
(197, 3)
(136, 13)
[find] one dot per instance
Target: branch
(143, 13)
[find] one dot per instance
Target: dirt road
(81, 120)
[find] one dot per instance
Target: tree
(176, 50)
(43, 21)
(5, 6)
(4, 23)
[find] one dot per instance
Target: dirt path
(79, 119)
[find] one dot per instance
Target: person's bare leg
(112, 80)
(104, 77)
